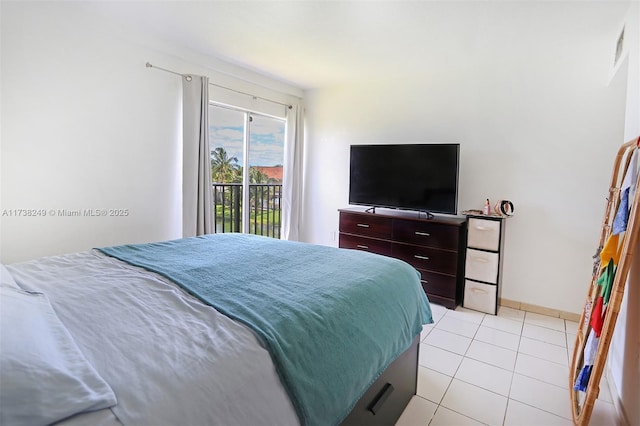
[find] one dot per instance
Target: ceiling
(311, 44)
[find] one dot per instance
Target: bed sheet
(169, 358)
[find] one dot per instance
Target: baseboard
(539, 309)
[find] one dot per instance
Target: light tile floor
(509, 369)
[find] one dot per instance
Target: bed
(229, 329)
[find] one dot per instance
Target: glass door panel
(226, 141)
(265, 159)
(256, 182)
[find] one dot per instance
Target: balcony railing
(265, 208)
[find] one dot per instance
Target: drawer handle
(482, 228)
(417, 256)
(377, 403)
(423, 234)
(361, 246)
(479, 290)
(362, 225)
(479, 259)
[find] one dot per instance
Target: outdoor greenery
(264, 201)
(225, 169)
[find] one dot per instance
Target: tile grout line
(512, 371)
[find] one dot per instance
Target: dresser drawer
(482, 266)
(484, 234)
(363, 243)
(426, 258)
(366, 225)
(438, 284)
(435, 247)
(480, 297)
(426, 234)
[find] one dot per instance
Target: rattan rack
(583, 402)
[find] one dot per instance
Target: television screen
(421, 177)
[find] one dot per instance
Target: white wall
(85, 125)
(624, 352)
(81, 130)
(528, 102)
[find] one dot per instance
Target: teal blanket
(331, 319)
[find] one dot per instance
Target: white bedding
(44, 377)
(169, 358)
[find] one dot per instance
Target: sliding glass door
(247, 156)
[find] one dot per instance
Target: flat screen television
(422, 177)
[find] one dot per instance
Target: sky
(226, 129)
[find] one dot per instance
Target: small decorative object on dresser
(483, 266)
(434, 246)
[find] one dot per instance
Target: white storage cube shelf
(484, 234)
(482, 266)
(480, 297)
(485, 239)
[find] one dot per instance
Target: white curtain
(197, 193)
(293, 176)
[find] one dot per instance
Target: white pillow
(44, 377)
(6, 279)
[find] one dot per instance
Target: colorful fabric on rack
(591, 348)
(622, 216)
(597, 317)
(582, 381)
(611, 250)
(606, 281)
(589, 357)
(627, 191)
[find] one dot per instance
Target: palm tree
(223, 168)
(257, 176)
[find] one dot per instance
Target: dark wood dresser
(435, 247)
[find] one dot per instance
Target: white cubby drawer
(482, 266)
(484, 234)
(480, 297)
